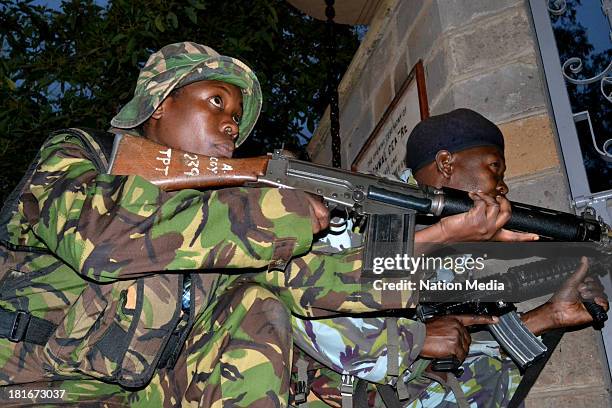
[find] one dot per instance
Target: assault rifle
(360, 194)
(521, 282)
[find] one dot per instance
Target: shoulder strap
(10, 204)
(99, 143)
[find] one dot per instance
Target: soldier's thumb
(580, 273)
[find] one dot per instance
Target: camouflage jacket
(98, 245)
(109, 251)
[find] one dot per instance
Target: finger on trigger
(469, 320)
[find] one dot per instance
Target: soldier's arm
(322, 284)
(111, 227)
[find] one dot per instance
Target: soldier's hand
(507, 235)
(565, 308)
(483, 222)
(447, 336)
(319, 214)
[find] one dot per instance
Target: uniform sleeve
(113, 227)
(320, 284)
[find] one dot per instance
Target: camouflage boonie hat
(183, 63)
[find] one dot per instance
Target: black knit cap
(453, 131)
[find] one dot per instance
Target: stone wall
(479, 54)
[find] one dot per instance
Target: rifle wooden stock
(173, 169)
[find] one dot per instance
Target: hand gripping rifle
(360, 194)
(520, 283)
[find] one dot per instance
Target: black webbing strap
(168, 357)
(387, 394)
(175, 344)
(360, 394)
(22, 326)
(550, 340)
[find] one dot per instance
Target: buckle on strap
(20, 326)
(346, 388)
(301, 392)
(301, 389)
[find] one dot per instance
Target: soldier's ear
(444, 163)
(159, 112)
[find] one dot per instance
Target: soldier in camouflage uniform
(81, 249)
(82, 292)
(462, 150)
(95, 267)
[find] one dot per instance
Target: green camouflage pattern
(488, 381)
(242, 339)
(358, 346)
(172, 65)
(109, 239)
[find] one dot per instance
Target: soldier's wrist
(540, 320)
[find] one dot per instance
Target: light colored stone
(490, 43)
(545, 189)
(567, 366)
(400, 73)
(406, 14)
(320, 140)
(445, 102)
(384, 95)
(381, 64)
(572, 398)
(361, 134)
(530, 146)
(457, 13)
(503, 94)
(322, 154)
(425, 32)
(352, 109)
(436, 74)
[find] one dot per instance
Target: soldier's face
(201, 117)
(479, 168)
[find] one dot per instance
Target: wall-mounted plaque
(384, 151)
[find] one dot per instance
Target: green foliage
(77, 66)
